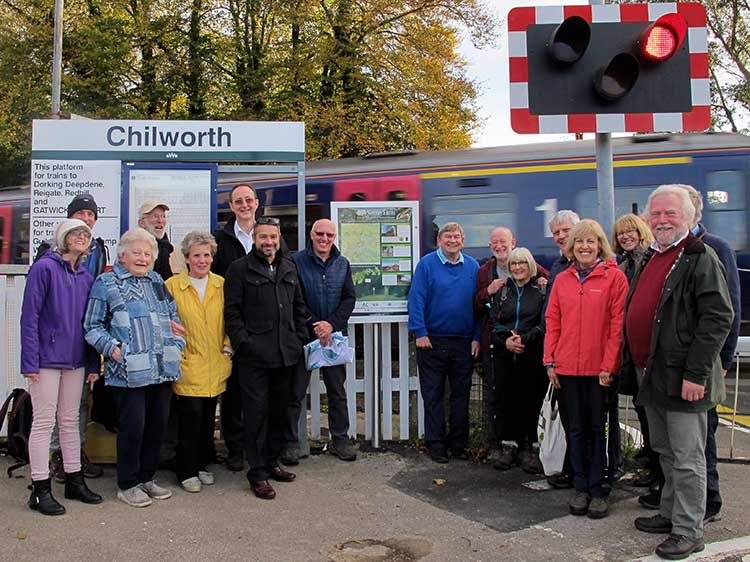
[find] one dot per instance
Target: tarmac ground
(388, 506)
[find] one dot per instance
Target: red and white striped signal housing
(609, 68)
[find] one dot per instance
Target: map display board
(381, 241)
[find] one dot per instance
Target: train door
(6, 224)
(387, 188)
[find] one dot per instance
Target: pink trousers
(56, 391)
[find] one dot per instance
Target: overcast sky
(489, 68)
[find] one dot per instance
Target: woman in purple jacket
(55, 358)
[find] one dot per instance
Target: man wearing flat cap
(153, 217)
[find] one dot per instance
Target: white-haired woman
(520, 379)
(129, 321)
(55, 358)
(206, 359)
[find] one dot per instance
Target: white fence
(376, 393)
(365, 391)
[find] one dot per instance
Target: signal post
(609, 68)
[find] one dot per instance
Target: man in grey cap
(153, 217)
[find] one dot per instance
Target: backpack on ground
(17, 407)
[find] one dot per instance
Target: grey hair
(696, 199)
(450, 227)
(566, 215)
(688, 209)
(198, 238)
(523, 254)
(134, 235)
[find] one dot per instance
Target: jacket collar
(54, 256)
(122, 273)
(183, 279)
(335, 252)
(229, 227)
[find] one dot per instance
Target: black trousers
(520, 386)
(586, 402)
(195, 446)
(143, 414)
(338, 412)
(265, 400)
(231, 414)
(449, 358)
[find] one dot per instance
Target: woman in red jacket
(581, 350)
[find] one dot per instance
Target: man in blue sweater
(441, 315)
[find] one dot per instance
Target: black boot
(42, 500)
(76, 489)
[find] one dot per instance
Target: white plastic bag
(338, 353)
(552, 444)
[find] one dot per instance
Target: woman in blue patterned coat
(129, 320)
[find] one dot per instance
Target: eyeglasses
(326, 234)
(268, 220)
(626, 232)
(80, 233)
(518, 264)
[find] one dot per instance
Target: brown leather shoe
(263, 490)
(281, 475)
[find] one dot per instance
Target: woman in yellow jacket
(206, 359)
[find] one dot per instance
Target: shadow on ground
(483, 494)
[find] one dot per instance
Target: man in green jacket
(678, 316)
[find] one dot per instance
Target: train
(515, 186)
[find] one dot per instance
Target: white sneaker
(134, 497)
(192, 485)
(155, 491)
(206, 478)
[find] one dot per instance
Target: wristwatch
(549, 365)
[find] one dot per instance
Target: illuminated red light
(660, 43)
(662, 38)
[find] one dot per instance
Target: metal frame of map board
(403, 241)
(129, 206)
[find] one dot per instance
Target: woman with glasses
(55, 359)
(584, 322)
(631, 237)
(520, 382)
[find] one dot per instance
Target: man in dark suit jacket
(265, 318)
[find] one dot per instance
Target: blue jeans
(449, 358)
(586, 404)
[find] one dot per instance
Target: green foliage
(365, 76)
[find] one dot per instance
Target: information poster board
(188, 189)
(54, 184)
(381, 241)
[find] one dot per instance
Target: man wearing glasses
(327, 284)
(153, 217)
(265, 318)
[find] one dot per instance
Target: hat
(81, 202)
(64, 227)
(149, 205)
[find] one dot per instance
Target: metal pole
(304, 444)
(375, 387)
(605, 186)
(57, 60)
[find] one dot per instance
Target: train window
(357, 197)
(725, 212)
(625, 198)
(474, 182)
(477, 214)
(397, 195)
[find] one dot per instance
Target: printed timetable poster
(381, 241)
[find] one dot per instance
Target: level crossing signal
(609, 68)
